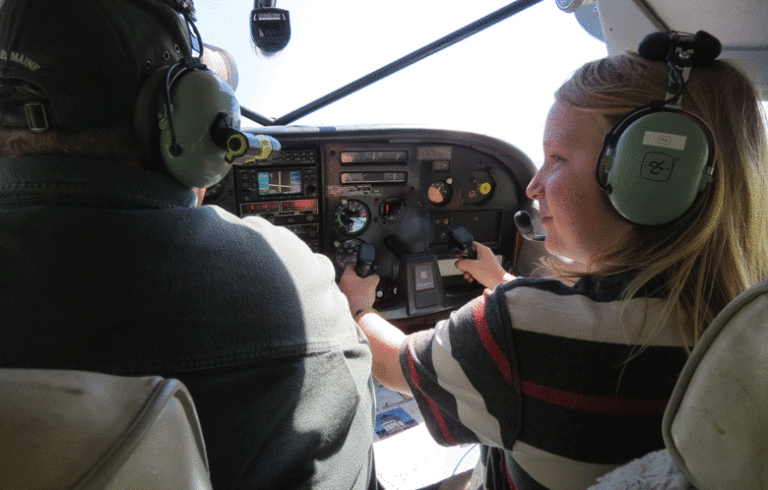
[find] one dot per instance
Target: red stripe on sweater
(481, 325)
(509, 477)
(435, 411)
(594, 404)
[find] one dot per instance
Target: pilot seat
(87, 431)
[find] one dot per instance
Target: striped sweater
(537, 372)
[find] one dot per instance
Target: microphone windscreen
(655, 46)
(708, 48)
(523, 222)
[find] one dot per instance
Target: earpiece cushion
(657, 166)
(147, 113)
(197, 98)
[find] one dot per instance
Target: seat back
(82, 430)
(716, 424)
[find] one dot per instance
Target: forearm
(385, 340)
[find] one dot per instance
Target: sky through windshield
(499, 82)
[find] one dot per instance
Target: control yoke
(366, 260)
(461, 242)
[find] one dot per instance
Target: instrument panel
(397, 193)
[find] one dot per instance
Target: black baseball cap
(86, 59)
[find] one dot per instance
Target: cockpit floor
(407, 458)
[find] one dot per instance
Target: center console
(285, 190)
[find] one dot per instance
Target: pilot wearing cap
(108, 120)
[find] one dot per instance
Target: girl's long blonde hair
(720, 246)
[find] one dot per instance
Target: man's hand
(360, 291)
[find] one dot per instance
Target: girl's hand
(486, 269)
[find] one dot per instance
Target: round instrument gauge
(440, 192)
(351, 217)
(481, 186)
(346, 253)
(392, 209)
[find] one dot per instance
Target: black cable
(198, 38)
(175, 149)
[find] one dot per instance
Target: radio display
(279, 182)
(300, 205)
(262, 207)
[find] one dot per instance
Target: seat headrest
(716, 423)
(84, 430)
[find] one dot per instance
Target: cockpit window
(498, 82)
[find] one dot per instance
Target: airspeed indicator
(351, 217)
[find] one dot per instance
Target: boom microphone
(525, 227)
(240, 146)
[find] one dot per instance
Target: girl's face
(576, 214)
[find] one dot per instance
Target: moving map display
(279, 182)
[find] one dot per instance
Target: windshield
(499, 82)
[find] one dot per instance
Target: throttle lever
(461, 242)
(366, 260)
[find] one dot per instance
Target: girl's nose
(535, 188)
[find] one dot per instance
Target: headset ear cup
(198, 97)
(657, 165)
(149, 110)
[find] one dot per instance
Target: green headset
(188, 119)
(658, 158)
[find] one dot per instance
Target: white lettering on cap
(22, 60)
